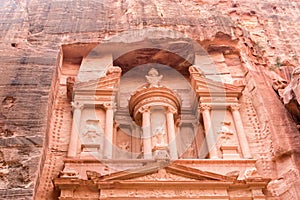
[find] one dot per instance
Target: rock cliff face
(38, 35)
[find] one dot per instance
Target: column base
(90, 150)
(230, 152)
(161, 153)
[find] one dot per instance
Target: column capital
(77, 105)
(171, 110)
(108, 105)
(205, 107)
(144, 109)
(235, 107)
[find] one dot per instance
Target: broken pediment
(106, 82)
(209, 88)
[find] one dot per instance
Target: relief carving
(77, 105)
(114, 70)
(250, 173)
(159, 135)
(278, 187)
(123, 151)
(69, 174)
(144, 109)
(124, 146)
(204, 107)
(226, 134)
(92, 131)
(91, 135)
(162, 175)
(154, 78)
(227, 142)
(240, 193)
(235, 107)
(166, 193)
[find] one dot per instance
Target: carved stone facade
(146, 136)
(129, 99)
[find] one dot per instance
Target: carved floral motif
(204, 107)
(235, 107)
(77, 105)
(162, 175)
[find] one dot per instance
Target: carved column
(135, 141)
(197, 139)
(240, 130)
(146, 132)
(73, 145)
(171, 134)
(109, 128)
(209, 135)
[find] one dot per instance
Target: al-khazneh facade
(155, 131)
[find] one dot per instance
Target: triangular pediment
(160, 172)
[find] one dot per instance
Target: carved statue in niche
(124, 146)
(153, 78)
(225, 134)
(159, 137)
(227, 142)
(123, 151)
(124, 141)
(158, 121)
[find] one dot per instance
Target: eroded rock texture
(261, 36)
